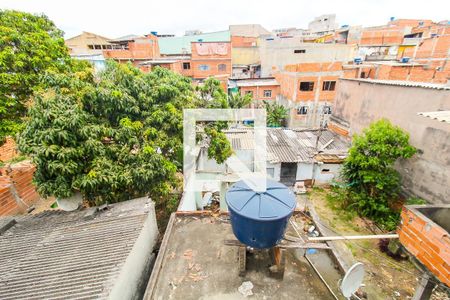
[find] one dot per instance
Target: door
(288, 173)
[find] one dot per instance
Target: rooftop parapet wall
(426, 240)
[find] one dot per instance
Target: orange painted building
(261, 89)
(244, 41)
(211, 59)
(134, 49)
(181, 65)
(207, 59)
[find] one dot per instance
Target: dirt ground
(386, 278)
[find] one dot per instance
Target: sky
(112, 18)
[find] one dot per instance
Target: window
(306, 86)
(203, 67)
(363, 75)
(299, 51)
(222, 67)
(91, 46)
(186, 66)
(249, 93)
(98, 46)
(267, 93)
(325, 171)
(302, 110)
(329, 85)
(326, 110)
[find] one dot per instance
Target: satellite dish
(352, 280)
(71, 203)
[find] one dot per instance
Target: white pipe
(353, 237)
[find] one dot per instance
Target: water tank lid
(277, 202)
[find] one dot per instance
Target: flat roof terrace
(195, 263)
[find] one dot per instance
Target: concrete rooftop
(194, 263)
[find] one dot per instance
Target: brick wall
(427, 241)
(292, 76)
(8, 150)
(17, 192)
(381, 37)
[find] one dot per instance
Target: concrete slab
(194, 263)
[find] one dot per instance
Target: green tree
(276, 114)
(112, 138)
(373, 183)
(237, 100)
(211, 94)
(30, 47)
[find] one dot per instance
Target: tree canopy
(30, 47)
(372, 181)
(112, 138)
(276, 114)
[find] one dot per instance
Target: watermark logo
(255, 179)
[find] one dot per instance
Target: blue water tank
(259, 219)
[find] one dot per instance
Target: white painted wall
(276, 171)
(323, 176)
(304, 171)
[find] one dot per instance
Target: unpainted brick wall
(17, 191)
(8, 150)
(428, 242)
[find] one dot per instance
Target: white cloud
(116, 18)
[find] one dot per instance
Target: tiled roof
(76, 255)
(182, 44)
(289, 145)
(403, 83)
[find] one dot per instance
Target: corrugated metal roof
(442, 116)
(403, 83)
(289, 145)
(182, 44)
(60, 255)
